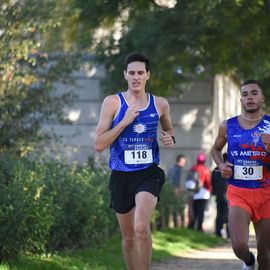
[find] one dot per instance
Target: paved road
(221, 258)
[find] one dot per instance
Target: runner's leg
(262, 229)
(145, 205)
(239, 221)
(129, 248)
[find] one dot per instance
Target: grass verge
(168, 243)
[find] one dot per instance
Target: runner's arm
(220, 141)
(105, 134)
(165, 121)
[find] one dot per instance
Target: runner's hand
(166, 139)
(131, 113)
(226, 169)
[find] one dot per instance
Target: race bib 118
(138, 156)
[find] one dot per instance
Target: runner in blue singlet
(128, 124)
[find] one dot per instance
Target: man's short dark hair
(250, 82)
(137, 57)
(180, 157)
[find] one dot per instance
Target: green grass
(166, 244)
(173, 242)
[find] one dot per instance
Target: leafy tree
(201, 38)
(28, 73)
(194, 39)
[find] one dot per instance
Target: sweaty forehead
(250, 87)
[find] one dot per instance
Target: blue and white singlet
(248, 155)
(136, 148)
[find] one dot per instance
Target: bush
(169, 204)
(25, 214)
(51, 206)
(80, 202)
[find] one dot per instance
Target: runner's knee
(142, 229)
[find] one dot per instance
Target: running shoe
(251, 267)
(245, 267)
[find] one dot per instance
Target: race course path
(221, 258)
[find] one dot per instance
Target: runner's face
(136, 76)
(251, 98)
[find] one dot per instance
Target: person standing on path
(219, 190)
(175, 180)
(200, 198)
(128, 124)
(248, 174)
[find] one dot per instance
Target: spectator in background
(174, 177)
(200, 198)
(219, 189)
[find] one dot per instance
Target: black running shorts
(124, 186)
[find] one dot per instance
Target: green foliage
(25, 214)
(172, 242)
(202, 37)
(169, 203)
(28, 73)
(166, 244)
(51, 206)
(80, 203)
